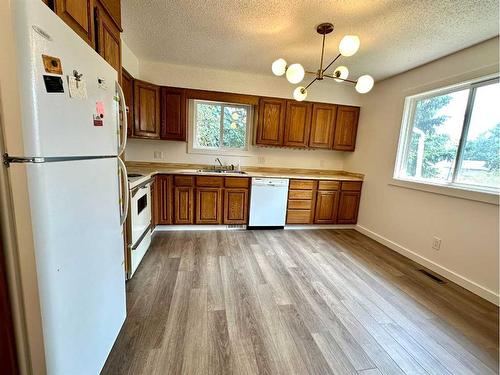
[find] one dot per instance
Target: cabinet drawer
(237, 182)
(183, 180)
(300, 204)
(210, 181)
(298, 216)
(302, 184)
(329, 185)
(352, 185)
(300, 194)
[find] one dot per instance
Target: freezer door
(54, 122)
(80, 261)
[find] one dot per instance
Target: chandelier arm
(335, 59)
(322, 54)
(341, 79)
(310, 83)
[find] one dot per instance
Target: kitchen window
(451, 137)
(218, 126)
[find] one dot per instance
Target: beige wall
(219, 80)
(405, 219)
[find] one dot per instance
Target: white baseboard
(445, 272)
(170, 228)
(318, 226)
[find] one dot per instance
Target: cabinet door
(78, 14)
(113, 8)
(297, 124)
(348, 207)
(326, 207)
(173, 114)
(163, 200)
(235, 206)
(271, 122)
(128, 91)
(108, 41)
(183, 205)
(208, 205)
(322, 126)
(146, 110)
(346, 128)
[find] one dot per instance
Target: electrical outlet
(322, 163)
(261, 160)
(158, 155)
(436, 243)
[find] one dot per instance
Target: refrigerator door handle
(126, 192)
(123, 105)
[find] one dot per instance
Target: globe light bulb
(295, 73)
(341, 72)
(364, 84)
(349, 45)
(300, 93)
(279, 67)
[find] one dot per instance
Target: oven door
(140, 211)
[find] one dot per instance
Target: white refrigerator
(77, 187)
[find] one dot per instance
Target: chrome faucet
(218, 160)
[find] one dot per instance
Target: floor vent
(236, 227)
(433, 277)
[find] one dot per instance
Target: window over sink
(218, 127)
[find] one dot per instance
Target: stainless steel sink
(222, 171)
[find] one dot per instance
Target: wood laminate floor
(296, 302)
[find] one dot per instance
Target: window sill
(451, 191)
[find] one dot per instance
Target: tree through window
(453, 137)
(220, 126)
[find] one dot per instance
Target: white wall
(406, 220)
(129, 60)
(245, 83)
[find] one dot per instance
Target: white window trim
(455, 189)
(219, 151)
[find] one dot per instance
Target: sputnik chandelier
(295, 73)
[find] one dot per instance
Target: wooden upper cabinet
(146, 110)
(108, 41)
(208, 205)
(348, 207)
(78, 14)
(322, 125)
(173, 113)
(235, 206)
(297, 124)
(128, 92)
(271, 121)
(326, 207)
(113, 7)
(346, 128)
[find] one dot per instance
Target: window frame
(230, 151)
(404, 142)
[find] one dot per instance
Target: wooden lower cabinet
(348, 207)
(162, 200)
(208, 205)
(326, 207)
(235, 206)
(183, 205)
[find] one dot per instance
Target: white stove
(139, 222)
(135, 179)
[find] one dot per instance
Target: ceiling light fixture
(295, 73)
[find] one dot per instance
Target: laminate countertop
(194, 169)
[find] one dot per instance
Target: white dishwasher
(268, 200)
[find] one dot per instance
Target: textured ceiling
(247, 35)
